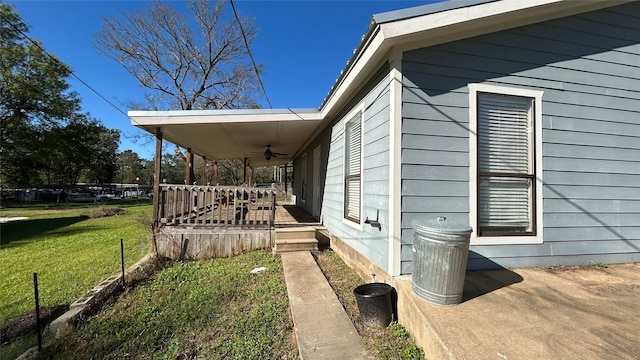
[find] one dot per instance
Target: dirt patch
(27, 323)
(617, 291)
(105, 211)
(560, 268)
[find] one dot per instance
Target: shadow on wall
(453, 65)
(481, 282)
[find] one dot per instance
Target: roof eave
(483, 18)
(224, 134)
(159, 118)
(436, 26)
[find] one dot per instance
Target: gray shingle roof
(425, 10)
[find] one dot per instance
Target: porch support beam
(244, 172)
(189, 168)
(286, 177)
(215, 173)
(204, 171)
(156, 177)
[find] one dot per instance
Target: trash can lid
(442, 225)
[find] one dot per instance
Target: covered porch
(197, 220)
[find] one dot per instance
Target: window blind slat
(353, 166)
(353, 198)
(505, 147)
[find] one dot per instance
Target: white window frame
(350, 117)
(536, 95)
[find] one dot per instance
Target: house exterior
(518, 118)
(520, 121)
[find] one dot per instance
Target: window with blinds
(353, 166)
(506, 176)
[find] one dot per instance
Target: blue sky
(303, 46)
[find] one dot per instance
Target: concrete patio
(587, 312)
(577, 312)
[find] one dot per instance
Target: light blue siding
(374, 99)
(589, 69)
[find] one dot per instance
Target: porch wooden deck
(289, 215)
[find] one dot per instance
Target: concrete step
(288, 245)
(301, 232)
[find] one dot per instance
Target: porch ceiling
(228, 134)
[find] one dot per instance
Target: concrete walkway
(323, 329)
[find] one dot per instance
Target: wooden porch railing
(210, 206)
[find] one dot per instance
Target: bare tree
(198, 61)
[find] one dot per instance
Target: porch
(203, 222)
(196, 222)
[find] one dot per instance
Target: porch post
(286, 191)
(156, 187)
(204, 171)
(189, 167)
(215, 173)
(244, 172)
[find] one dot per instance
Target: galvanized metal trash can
(440, 252)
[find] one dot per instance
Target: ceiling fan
(268, 154)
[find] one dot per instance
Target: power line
(246, 44)
(100, 95)
(73, 74)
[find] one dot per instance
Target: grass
(206, 309)
(72, 247)
(214, 309)
(393, 342)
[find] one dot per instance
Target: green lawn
(210, 309)
(69, 249)
(207, 309)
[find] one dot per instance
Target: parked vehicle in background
(104, 197)
(81, 197)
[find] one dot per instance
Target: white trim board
(395, 167)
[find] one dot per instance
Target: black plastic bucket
(374, 304)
